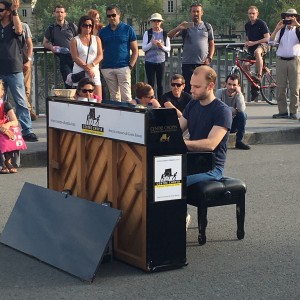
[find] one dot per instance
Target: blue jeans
(238, 125)
(15, 83)
(215, 174)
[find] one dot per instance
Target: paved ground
(265, 265)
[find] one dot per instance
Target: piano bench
(221, 192)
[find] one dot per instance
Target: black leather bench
(217, 193)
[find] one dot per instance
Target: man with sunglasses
(287, 34)
(198, 43)
(118, 39)
(176, 98)
(57, 37)
(11, 63)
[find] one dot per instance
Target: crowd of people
(91, 53)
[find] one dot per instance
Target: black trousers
(156, 70)
(187, 72)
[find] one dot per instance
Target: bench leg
(202, 223)
(240, 218)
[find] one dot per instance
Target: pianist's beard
(201, 97)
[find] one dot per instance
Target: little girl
(7, 119)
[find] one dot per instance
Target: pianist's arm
(214, 138)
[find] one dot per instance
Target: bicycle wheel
(268, 87)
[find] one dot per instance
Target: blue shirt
(201, 119)
(116, 46)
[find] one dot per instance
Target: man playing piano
(208, 120)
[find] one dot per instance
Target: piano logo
(92, 123)
(167, 178)
(164, 138)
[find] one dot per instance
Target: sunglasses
(87, 25)
(112, 15)
(2, 9)
(176, 84)
(87, 90)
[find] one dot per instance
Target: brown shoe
(33, 116)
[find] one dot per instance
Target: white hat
(156, 16)
(290, 11)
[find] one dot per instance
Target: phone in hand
(190, 24)
(287, 22)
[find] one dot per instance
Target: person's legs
(240, 120)
(124, 82)
(215, 174)
(281, 80)
(259, 61)
(160, 74)
(111, 80)
(66, 67)
(187, 72)
(15, 83)
(150, 73)
(294, 83)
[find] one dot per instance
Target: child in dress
(7, 119)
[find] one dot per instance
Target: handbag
(18, 143)
(76, 77)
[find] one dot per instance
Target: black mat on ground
(66, 232)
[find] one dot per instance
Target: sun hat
(156, 16)
(290, 11)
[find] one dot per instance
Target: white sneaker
(187, 221)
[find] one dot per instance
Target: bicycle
(266, 86)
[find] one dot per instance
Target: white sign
(110, 123)
(168, 178)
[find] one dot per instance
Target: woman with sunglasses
(144, 96)
(156, 44)
(86, 51)
(85, 89)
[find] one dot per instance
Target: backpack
(282, 33)
(51, 30)
(165, 35)
(184, 33)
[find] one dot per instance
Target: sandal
(4, 171)
(10, 167)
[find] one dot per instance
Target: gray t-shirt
(195, 43)
(237, 102)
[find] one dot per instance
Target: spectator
(287, 63)
(198, 43)
(144, 96)
(156, 45)
(176, 98)
(257, 36)
(208, 120)
(11, 63)
(86, 51)
(94, 14)
(27, 58)
(85, 89)
(118, 39)
(234, 98)
(57, 39)
(7, 119)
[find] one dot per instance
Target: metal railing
(46, 70)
